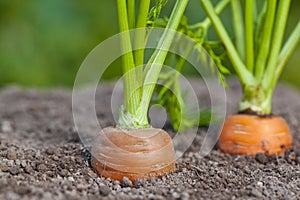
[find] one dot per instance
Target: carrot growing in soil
(258, 58)
(134, 149)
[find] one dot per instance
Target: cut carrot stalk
(251, 134)
(135, 153)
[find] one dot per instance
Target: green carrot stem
(264, 45)
(254, 10)
(160, 55)
(238, 27)
(287, 50)
(131, 13)
(140, 39)
(258, 28)
(205, 24)
(131, 97)
(249, 34)
(218, 9)
(256, 99)
(282, 16)
(182, 60)
(244, 75)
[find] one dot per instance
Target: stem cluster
(139, 83)
(257, 55)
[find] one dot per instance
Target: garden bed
(41, 156)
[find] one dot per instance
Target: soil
(41, 155)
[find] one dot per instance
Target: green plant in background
(169, 93)
(258, 57)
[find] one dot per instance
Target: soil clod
(126, 182)
(11, 154)
(261, 158)
(104, 190)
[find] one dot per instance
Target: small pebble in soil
(259, 183)
(59, 177)
(261, 158)
(63, 172)
(23, 163)
(50, 151)
(10, 163)
(153, 180)
(116, 187)
(70, 178)
(41, 168)
(104, 190)
(292, 156)
(14, 170)
(11, 154)
(138, 182)
(116, 182)
(28, 169)
(126, 182)
(3, 167)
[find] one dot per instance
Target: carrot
(252, 134)
(133, 149)
(144, 153)
(258, 57)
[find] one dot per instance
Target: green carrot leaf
(155, 11)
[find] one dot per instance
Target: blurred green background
(43, 42)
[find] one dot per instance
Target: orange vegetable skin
(251, 134)
(140, 153)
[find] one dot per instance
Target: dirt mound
(41, 156)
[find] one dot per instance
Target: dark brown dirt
(41, 156)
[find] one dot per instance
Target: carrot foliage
(258, 54)
(139, 82)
